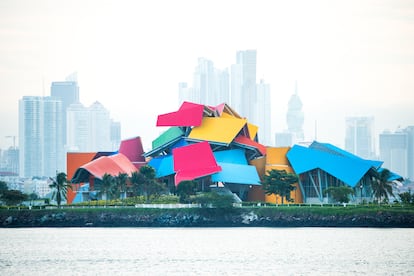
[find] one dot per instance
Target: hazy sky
(350, 58)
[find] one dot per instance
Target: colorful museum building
(218, 148)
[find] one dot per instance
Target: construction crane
(14, 140)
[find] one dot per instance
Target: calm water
(206, 251)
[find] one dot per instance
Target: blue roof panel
(235, 156)
(349, 169)
(163, 165)
(236, 173)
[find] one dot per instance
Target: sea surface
(206, 251)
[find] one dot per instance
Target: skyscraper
(295, 117)
(263, 113)
(247, 61)
(91, 128)
(53, 140)
(30, 136)
(239, 89)
(394, 151)
(68, 93)
(397, 151)
(410, 152)
(77, 138)
(359, 136)
(40, 136)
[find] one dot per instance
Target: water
(206, 251)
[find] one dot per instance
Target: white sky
(350, 58)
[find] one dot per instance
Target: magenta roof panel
(189, 114)
(132, 149)
(194, 161)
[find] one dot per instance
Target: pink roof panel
(112, 165)
(189, 114)
(194, 161)
(132, 149)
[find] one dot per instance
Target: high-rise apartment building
(115, 135)
(262, 114)
(239, 89)
(410, 152)
(68, 93)
(77, 137)
(394, 151)
(210, 85)
(40, 136)
(295, 118)
(91, 128)
(247, 61)
(30, 136)
(53, 140)
(359, 136)
(9, 163)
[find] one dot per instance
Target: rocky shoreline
(197, 218)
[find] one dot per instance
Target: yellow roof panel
(252, 130)
(218, 129)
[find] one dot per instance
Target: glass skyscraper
(359, 136)
(41, 150)
(68, 93)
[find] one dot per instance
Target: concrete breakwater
(208, 217)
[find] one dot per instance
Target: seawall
(203, 217)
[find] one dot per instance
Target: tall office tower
(210, 85)
(410, 152)
(10, 160)
(100, 127)
(40, 136)
(295, 117)
(262, 116)
(115, 135)
(53, 141)
(222, 89)
(247, 61)
(359, 136)
(30, 136)
(77, 121)
(394, 151)
(203, 82)
(68, 93)
(236, 82)
(89, 128)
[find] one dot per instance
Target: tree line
(144, 183)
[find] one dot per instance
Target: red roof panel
(243, 140)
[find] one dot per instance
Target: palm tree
(185, 189)
(60, 187)
(121, 183)
(381, 186)
(279, 182)
(137, 180)
(147, 183)
(107, 185)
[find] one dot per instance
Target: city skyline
(348, 58)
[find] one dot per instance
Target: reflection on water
(206, 251)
